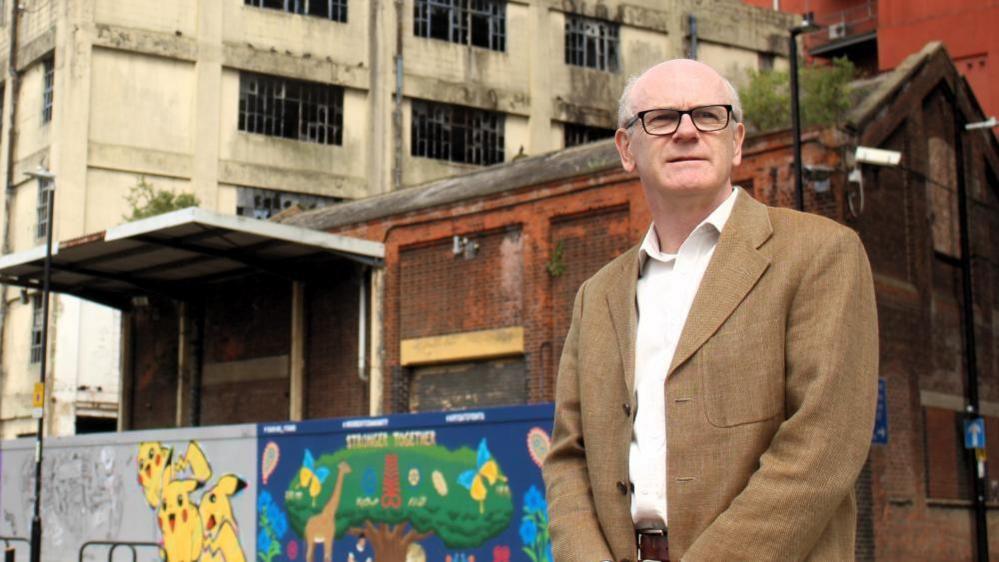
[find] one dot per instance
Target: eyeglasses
(664, 122)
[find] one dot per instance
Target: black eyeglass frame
(640, 116)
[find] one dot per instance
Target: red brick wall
(154, 366)
(333, 387)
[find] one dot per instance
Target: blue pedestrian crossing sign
(880, 436)
(974, 433)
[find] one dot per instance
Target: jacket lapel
(734, 269)
(624, 313)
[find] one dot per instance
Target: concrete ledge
(485, 344)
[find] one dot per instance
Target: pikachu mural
(435, 487)
(201, 529)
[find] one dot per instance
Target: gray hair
(625, 113)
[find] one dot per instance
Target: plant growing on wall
(766, 98)
(147, 201)
(396, 494)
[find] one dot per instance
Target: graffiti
(80, 496)
(202, 529)
(272, 526)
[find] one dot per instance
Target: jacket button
(622, 487)
(627, 410)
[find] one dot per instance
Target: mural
(441, 487)
(413, 488)
(202, 529)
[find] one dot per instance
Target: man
(716, 394)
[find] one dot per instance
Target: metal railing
(8, 548)
(132, 546)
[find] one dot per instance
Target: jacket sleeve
(811, 465)
(575, 532)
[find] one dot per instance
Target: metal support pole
(799, 186)
(36, 519)
(971, 357)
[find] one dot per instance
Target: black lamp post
(47, 180)
(807, 24)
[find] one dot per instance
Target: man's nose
(686, 128)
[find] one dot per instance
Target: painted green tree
(397, 495)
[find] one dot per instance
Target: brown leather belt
(653, 545)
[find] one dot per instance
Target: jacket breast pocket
(742, 373)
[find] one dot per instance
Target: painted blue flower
(263, 500)
(534, 501)
(279, 523)
(548, 553)
(263, 541)
(528, 531)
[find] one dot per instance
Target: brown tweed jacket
(769, 401)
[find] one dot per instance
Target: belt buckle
(647, 532)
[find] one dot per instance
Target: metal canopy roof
(171, 254)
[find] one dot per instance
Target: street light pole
(47, 179)
(807, 24)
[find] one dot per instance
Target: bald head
(641, 91)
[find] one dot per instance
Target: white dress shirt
(666, 287)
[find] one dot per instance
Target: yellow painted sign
(38, 398)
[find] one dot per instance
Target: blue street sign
(974, 433)
(880, 436)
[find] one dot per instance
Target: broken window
(581, 134)
(42, 208)
(265, 203)
(48, 69)
(591, 43)
(293, 109)
(37, 315)
(481, 23)
(335, 10)
(456, 133)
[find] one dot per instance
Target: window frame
(48, 88)
(336, 10)
(42, 208)
(37, 320)
(461, 17)
(266, 103)
(456, 133)
(582, 33)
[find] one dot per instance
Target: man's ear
(622, 140)
(738, 135)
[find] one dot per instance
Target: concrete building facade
(257, 105)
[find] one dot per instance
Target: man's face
(688, 162)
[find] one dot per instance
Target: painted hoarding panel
(103, 488)
(446, 487)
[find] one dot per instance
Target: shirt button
(622, 487)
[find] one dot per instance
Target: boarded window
(581, 134)
(335, 10)
(480, 23)
(293, 109)
(591, 43)
(456, 133)
(478, 384)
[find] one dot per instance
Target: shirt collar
(717, 220)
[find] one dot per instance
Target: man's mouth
(684, 159)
